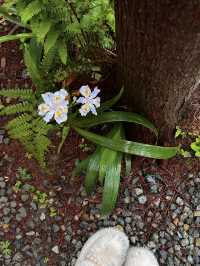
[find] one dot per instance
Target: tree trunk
(159, 58)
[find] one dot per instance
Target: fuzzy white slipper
(140, 257)
(107, 247)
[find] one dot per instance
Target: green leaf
(108, 104)
(92, 171)
(65, 133)
(108, 155)
(31, 10)
(42, 29)
(51, 39)
(195, 146)
(20, 36)
(111, 185)
(17, 108)
(32, 67)
(114, 117)
(62, 51)
(25, 94)
(130, 147)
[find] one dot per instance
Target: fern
(72, 29)
(27, 128)
(25, 94)
(31, 10)
(17, 108)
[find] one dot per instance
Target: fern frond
(31, 10)
(20, 120)
(25, 94)
(51, 39)
(42, 30)
(17, 108)
(42, 144)
(48, 60)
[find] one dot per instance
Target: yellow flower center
(86, 107)
(87, 92)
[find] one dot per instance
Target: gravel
(167, 222)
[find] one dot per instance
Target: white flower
(55, 105)
(89, 100)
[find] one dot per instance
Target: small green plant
(195, 146)
(46, 259)
(194, 143)
(23, 174)
(40, 197)
(5, 247)
(18, 185)
(52, 212)
(179, 132)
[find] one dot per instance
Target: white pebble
(42, 216)
(55, 249)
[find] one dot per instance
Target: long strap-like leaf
(135, 148)
(114, 117)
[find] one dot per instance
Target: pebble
(142, 199)
(3, 62)
(138, 191)
(56, 228)
(42, 216)
(2, 184)
(197, 213)
(179, 201)
(24, 197)
(197, 242)
(13, 204)
(22, 212)
(55, 249)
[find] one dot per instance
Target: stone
(142, 199)
(2, 184)
(197, 242)
(31, 233)
(3, 62)
(6, 211)
(22, 212)
(24, 197)
(138, 191)
(56, 228)
(42, 216)
(179, 201)
(55, 249)
(13, 204)
(18, 257)
(197, 213)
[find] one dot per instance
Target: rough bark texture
(159, 54)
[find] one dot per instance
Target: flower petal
(81, 100)
(85, 91)
(85, 109)
(94, 93)
(96, 101)
(48, 116)
(93, 109)
(62, 118)
(48, 98)
(43, 109)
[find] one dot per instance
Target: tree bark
(158, 43)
